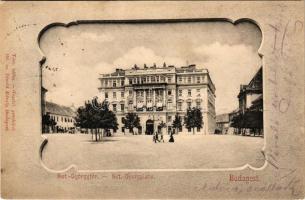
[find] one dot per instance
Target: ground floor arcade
(151, 122)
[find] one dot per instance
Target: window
(180, 93)
(157, 79)
(169, 92)
(114, 107)
(162, 79)
(153, 79)
(130, 106)
(122, 94)
(122, 82)
(106, 82)
(114, 95)
(130, 92)
(198, 104)
(144, 79)
(130, 81)
(189, 79)
(169, 104)
(198, 129)
(122, 107)
(189, 104)
(189, 92)
(179, 106)
(180, 79)
(114, 83)
(198, 79)
(106, 95)
(169, 79)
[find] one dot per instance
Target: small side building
(63, 116)
(222, 124)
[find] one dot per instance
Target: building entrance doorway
(149, 127)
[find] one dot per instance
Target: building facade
(63, 116)
(248, 120)
(222, 124)
(157, 94)
(252, 92)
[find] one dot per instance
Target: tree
(47, 122)
(177, 123)
(108, 119)
(131, 121)
(94, 115)
(193, 119)
(236, 122)
(87, 117)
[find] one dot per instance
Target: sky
(76, 56)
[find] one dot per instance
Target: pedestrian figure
(171, 139)
(161, 136)
(155, 138)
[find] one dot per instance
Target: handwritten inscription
(18, 28)
(293, 186)
(280, 74)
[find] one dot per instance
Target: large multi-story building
(157, 94)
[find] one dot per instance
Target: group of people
(158, 136)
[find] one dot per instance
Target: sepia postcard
(152, 100)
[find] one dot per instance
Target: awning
(149, 105)
(159, 104)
